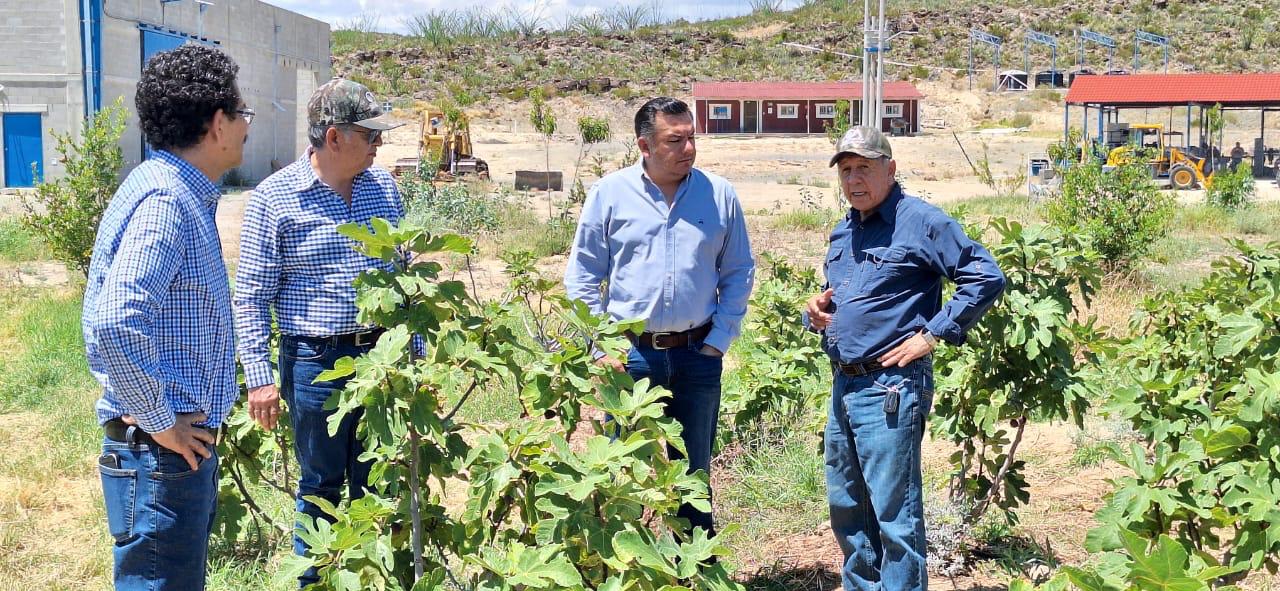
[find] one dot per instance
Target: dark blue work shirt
(887, 270)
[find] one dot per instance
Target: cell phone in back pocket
(109, 460)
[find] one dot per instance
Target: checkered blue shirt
(293, 260)
(157, 308)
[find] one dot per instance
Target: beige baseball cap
(863, 141)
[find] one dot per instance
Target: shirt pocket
(883, 270)
(834, 269)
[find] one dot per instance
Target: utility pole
(873, 43)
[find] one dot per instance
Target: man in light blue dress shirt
(670, 242)
(157, 322)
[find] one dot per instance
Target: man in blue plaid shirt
(293, 261)
(157, 322)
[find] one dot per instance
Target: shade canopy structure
(1104, 97)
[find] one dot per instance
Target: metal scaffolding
(989, 39)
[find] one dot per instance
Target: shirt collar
(200, 185)
(645, 178)
(306, 175)
(888, 209)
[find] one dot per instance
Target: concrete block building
(63, 60)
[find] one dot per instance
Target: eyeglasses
(248, 114)
(372, 135)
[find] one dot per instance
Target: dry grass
(51, 522)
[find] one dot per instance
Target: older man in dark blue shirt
(881, 315)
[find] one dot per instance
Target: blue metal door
(23, 150)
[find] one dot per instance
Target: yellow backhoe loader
(1125, 141)
(445, 139)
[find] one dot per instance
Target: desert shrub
(1120, 210)
(449, 206)
(1231, 189)
(65, 213)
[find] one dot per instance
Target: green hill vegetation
(478, 55)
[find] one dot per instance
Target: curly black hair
(180, 91)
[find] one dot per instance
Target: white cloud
(391, 14)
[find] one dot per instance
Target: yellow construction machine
(445, 139)
(1123, 141)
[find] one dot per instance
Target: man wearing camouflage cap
(294, 262)
(881, 315)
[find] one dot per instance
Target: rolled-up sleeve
(257, 283)
(151, 250)
(979, 281)
(737, 267)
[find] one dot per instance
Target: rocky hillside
(477, 65)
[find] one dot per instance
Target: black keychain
(891, 401)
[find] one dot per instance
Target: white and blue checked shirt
(157, 309)
(293, 260)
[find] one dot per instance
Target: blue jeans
(325, 462)
(160, 514)
(694, 382)
(872, 453)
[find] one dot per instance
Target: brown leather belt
(670, 340)
(859, 369)
(118, 430)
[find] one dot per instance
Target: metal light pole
(875, 41)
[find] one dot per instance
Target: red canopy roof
(799, 90)
(1152, 90)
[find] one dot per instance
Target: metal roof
(799, 90)
(1163, 90)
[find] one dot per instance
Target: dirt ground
(770, 171)
(772, 174)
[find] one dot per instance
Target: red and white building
(796, 107)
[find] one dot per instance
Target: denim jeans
(872, 452)
(325, 462)
(160, 514)
(694, 382)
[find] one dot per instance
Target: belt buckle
(359, 341)
(659, 335)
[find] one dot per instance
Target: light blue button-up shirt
(157, 303)
(676, 266)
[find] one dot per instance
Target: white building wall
(280, 54)
(273, 47)
(40, 68)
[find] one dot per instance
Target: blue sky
(390, 14)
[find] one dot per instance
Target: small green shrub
(449, 206)
(1231, 189)
(838, 124)
(523, 231)
(1121, 210)
(65, 213)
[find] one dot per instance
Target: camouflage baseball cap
(343, 102)
(863, 141)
